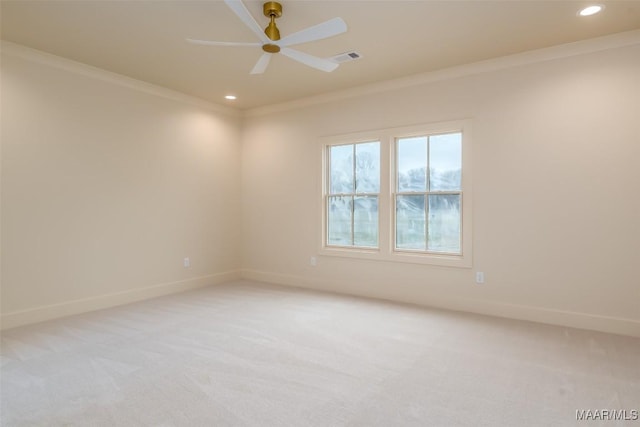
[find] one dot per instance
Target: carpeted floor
(249, 354)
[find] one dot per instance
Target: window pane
(365, 221)
(410, 222)
(341, 169)
(339, 221)
(445, 162)
(412, 164)
(444, 223)
(368, 167)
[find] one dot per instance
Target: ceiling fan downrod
(272, 10)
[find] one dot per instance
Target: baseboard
(54, 311)
(592, 322)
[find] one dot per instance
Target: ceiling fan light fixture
(271, 48)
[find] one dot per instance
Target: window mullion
(396, 192)
(353, 198)
(426, 197)
(428, 168)
(426, 221)
(327, 191)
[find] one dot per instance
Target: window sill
(456, 261)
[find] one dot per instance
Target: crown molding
(40, 57)
(583, 47)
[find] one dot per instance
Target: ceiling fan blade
(241, 11)
(327, 29)
(262, 63)
(212, 43)
(310, 60)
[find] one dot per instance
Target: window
(428, 193)
(400, 194)
(352, 199)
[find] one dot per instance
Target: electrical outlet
(479, 277)
(313, 261)
(186, 262)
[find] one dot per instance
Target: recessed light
(231, 97)
(591, 10)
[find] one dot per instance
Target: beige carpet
(249, 354)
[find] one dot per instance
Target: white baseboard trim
(69, 308)
(592, 322)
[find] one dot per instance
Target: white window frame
(350, 251)
(353, 195)
(386, 201)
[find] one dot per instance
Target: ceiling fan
(271, 42)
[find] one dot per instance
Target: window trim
(348, 139)
(386, 200)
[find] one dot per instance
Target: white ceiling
(145, 40)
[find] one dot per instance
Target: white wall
(105, 188)
(107, 185)
(556, 183)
